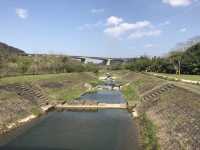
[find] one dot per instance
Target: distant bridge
(106, 60)
(86, 59)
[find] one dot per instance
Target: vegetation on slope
(130, 93)
(138, 84)
(148, 133)
(168, 119)
(15, 105)
(6, 50)
(177, 62)
(141, 82)
(63, 86)
(42, 64)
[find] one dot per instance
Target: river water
(102, 130)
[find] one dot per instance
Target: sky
(107, 28)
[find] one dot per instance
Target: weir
(94, 106)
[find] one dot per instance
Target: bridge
(106, 60)
(86, 59)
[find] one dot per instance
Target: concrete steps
(30, 92)
(157, 92)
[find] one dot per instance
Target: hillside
(9, 50)
(14, 62)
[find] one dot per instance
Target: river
(101, 130)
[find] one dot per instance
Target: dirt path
(187, 86)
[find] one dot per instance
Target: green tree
(176, 59)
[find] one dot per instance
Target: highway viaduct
(106, 60)
(86, 59)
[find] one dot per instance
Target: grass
(148, 133)
(5, 95)
(142, 82)
(72, 83)
(36, 111)
(96, 82)
(34, 78)
(130, 93)
(138, 84)
(66, 93)
(186, 77)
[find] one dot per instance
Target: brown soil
(52, 85)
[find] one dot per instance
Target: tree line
(12, 65)
(177, 62)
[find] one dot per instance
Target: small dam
(94, 106)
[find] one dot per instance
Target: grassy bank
(148, 133)
(164, 115)
(138, 84)
(64, 86)
(130, 93)
(56, 87)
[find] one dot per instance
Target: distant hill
(187, 44)
(192, 54)
(9, 50)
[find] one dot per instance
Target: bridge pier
(84, 60)
(108, 62)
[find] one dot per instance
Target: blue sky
(111, 28)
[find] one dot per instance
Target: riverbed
(107, 129)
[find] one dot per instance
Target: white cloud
(22, 13)
(96, 11)
(177, 3)
(113, 20)
(141, 34)
(117, 27)
(183, 30)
